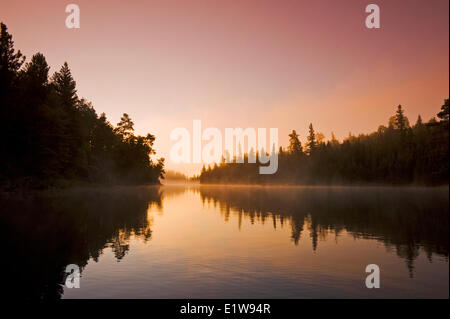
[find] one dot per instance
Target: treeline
(51, 137)
(395, 154)
(173, 176)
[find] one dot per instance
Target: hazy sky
(245, 63)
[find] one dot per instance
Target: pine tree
(125, 127)
(10, 61)
(419, 122)
(35, 73)
(400, 121)
(72, 153)
(65, 86)
(444, 113)
(295, 146)
(11, 128)
(36, 122)
(312, 143)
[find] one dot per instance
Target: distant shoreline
(308, 185)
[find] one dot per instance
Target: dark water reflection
(189, 250)
(42, 234)
(404, 219)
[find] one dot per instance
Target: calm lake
(227, 242)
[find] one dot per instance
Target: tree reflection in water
(43, 233)
(404, 219)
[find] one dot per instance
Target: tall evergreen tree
(35, 73)
(312, 143)
(71, 150)
(295, 146)
(444, 113)
(10, 63)
(419, 122)
(65, 86)
(125, 127)
(10, 60)
(401, 121)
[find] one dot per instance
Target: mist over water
(196, 241)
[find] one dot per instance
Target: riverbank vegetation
(51, 137)
(398, 153)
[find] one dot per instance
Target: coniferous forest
(54, 138)
(51, 137)
(395, 154)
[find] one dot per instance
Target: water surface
(228, 242)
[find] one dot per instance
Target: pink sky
(244, 63)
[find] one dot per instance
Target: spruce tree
(295, 146)
(312, 143)
(65, 86)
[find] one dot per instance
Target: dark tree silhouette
(401, 122)
(64, 85)
(312, 143)
(397, 154)
(295, 146)
(125, 127)
(54, 138)
(443, 114)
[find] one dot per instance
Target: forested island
(396, 154)
(53, 138)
